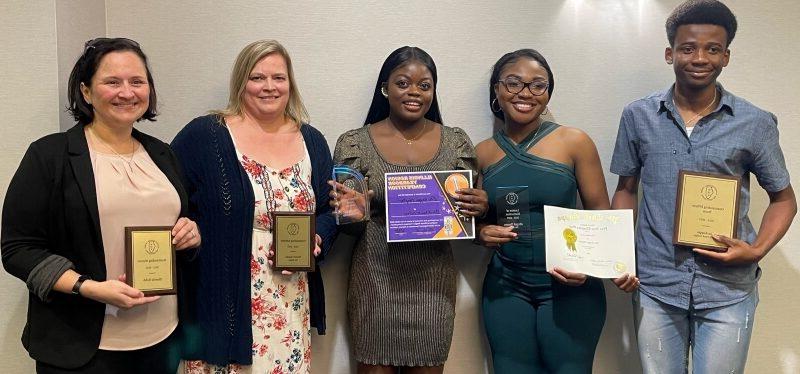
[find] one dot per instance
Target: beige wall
(28, 103)
(604, 53)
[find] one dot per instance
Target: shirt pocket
(659, 163)
(729, 161)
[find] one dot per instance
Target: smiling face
(266, 93)
(118, 91)
(410, 91)
(698, 54)
(524, 107)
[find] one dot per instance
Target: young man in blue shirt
(691, 296)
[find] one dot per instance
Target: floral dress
(281, 317)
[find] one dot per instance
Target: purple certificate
(420, 206)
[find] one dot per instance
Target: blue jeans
(719, 337)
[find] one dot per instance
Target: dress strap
(544, 129)
(509, 147)
(505, 143)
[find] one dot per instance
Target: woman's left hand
(317, 251)
(185, 234)
(567, 277)
(472, 201)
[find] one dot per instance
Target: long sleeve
(26, 221)
(326, 223)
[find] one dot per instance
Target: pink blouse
(132, 191)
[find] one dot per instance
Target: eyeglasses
(94, 42)
(515, 86)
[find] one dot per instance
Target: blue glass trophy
(351, 195)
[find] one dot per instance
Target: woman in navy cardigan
(241, 164)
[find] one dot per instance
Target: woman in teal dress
(557, 315)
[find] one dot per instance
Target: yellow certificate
(293, 235)
(150, 259)
(707, 204)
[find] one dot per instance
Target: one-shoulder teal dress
(534, 323)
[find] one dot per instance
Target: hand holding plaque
(150, 260)
(293, 241)
(352, 195)
(707, 204)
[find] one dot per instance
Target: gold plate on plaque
(150, 260)
(294, 238)
(706, 204)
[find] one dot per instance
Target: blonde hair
(244, 64)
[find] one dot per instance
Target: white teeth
(521, 106)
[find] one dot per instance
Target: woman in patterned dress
(257, 156)
(401, 296)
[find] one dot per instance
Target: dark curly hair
(85, 69)
(701, 12)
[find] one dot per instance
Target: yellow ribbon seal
(571, 238)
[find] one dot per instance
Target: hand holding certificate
(593, 242)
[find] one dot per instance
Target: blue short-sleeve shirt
(737, 138)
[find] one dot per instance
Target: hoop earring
(492, 105)
(385, 92)
(546, 111)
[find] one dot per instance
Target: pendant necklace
(400, 134)
(101, 141)
(692, 120)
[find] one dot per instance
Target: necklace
(400, 134)
(694, 119)
(101, 141)
(532, 138)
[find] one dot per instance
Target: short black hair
(510, 58)
(701, 12)
(379, 109)
(85, 69)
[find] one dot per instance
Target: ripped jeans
(719, 337)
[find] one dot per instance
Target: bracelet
(76, 288)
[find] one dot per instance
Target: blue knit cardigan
(216, 315)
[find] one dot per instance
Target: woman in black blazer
(64, 217)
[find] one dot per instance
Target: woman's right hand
(348, 202)
(115, 292)
(494, 235)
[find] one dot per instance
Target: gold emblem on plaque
(709, 192)
(151, 247)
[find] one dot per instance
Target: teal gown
(534, 323)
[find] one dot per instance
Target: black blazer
(51, 208)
